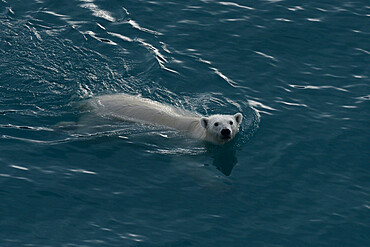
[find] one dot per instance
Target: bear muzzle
(225, 134)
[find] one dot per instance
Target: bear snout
(225, 132)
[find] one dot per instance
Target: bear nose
(225, 132)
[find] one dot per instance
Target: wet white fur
(134, 108)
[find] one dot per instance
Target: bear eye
(216, 124)
(231, 122)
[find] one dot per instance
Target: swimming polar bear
(217, 129)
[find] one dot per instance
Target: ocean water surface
(297, 174)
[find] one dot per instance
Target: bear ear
(204, 122)
(238, 117)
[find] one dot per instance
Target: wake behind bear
(217, 129)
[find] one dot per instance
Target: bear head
(221, 128)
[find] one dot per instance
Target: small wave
(37, 141)
(122, 37)
(291, 103)
(158, 56)
(135, 25)
(364, 98)
(317, 87)
(314, 19)
(236, 5)
(54, 14)
(12, 126)
(15, 177)
(295, 8)
(19, 167)
(94, 35)
(283, 19)
(89, 4)
(178, 151)
(83, 171)
(360, 76)
(256, 105)
(266, 56)
(364, 51)
(228, 80)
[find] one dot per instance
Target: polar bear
(217, 129)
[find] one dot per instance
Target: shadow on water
(224, 157)
(200, 167)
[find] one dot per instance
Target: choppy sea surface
(297, 174)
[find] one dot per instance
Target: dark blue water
(297, 174)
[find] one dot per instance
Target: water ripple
(265, 55)
(19, 167)
(236, 5)
(317, 87)
(89, 4)
(4, 175)
(291, 103)
(25, 127)
(257, 105)
(135, 25)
